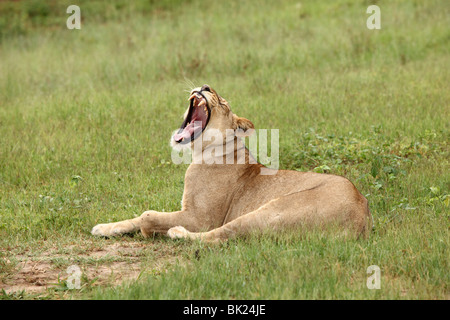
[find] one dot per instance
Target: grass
(297, 267)
(86, 116)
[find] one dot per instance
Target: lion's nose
(205, 87)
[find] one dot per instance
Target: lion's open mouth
(196, 120)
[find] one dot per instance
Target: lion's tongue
(186, 133)
(194, 126)
(198, 118)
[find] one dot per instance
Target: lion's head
(208, 111)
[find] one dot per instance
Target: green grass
(86, 116)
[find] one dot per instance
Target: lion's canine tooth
(192, 96)
(202, 102)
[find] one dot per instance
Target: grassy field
(86, 116)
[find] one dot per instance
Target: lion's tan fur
(227, 200)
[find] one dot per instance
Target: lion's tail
(365, 232)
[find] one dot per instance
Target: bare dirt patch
(109, 265)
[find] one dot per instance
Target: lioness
(221, 201)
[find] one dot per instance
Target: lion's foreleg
(148, 223)
(117, 228)
(161, 222)
(257, 220)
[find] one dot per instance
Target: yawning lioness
(223, 200)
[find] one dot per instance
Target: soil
(111, 265)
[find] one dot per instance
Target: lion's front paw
(178, 232)
(108, 230)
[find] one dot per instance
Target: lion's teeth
(192, 96)
(202, 102)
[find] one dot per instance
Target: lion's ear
(222, 101)
(243, 125)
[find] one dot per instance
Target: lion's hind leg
(305, 209)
